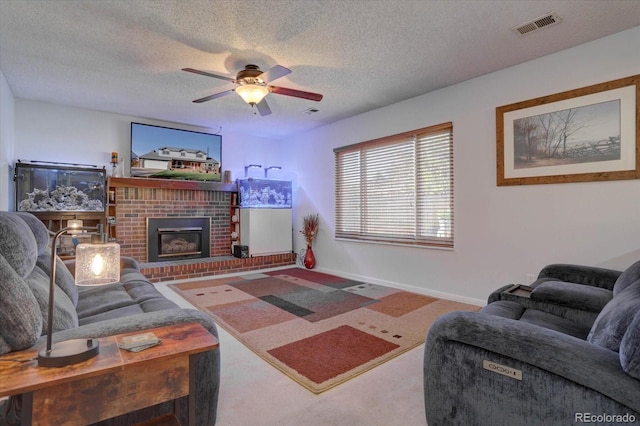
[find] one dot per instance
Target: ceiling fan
(253, 86)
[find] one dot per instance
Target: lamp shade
(75, 226)
(252, 93)
(97, 264)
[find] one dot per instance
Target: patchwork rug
(319, 329)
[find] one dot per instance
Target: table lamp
(97, 263)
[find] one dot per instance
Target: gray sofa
(84, 312)
(566, 353)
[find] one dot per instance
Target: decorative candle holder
(114, 164)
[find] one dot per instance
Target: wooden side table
(113, 383)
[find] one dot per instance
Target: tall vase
(309, 258)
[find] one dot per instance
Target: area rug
(319, 329)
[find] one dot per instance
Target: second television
(163, 152)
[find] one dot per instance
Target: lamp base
(68, 352)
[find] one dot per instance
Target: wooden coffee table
(113, 383)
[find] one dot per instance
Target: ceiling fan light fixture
(252, 93)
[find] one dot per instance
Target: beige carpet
(318, 329)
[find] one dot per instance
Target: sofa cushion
(20, 315)
(64, 311)
(628, 277)
(614, 320)
(40, 231)
(577, 296)
(64, 278)
(516, 311)
(554, 322)
(115, 313)
(504, 309)
(17, 243)
(630, 348)
(94, 300)
(118, 300)
(132, 275)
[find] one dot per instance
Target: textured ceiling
(126, 56)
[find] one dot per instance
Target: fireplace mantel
(193, 185)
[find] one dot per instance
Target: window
(397, 189)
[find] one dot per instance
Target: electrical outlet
(530, 278)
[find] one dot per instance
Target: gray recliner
(568, 351)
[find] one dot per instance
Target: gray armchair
(531, 361)
(575, 293)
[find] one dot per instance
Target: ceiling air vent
(537, 24)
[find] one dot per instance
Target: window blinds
(397, 189)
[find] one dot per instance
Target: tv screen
(162, 152)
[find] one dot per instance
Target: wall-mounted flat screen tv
(162, 152)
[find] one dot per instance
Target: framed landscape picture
(586, 134)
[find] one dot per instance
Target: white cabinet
(266, 231)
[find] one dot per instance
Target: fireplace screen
(179, 242)
(178, 238)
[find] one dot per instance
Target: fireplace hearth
(176, 238)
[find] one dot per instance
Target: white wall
(49, 132)
(6, 144)
(501, 233)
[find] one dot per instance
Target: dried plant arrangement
(310, 227)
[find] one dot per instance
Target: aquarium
(59, 188)
(264, 193)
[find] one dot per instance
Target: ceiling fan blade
(274, 73)
(214, 96)
(296, 93)
(263, 107)
(208, 74)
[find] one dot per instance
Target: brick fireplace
(135, 205)
(137, 199)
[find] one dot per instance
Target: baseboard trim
(372, 280)
(406, 287)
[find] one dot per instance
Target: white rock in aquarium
(67, 198)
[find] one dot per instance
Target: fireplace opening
(178, 238)
(179, 242)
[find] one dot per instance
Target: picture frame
(170, 153)
(581, 135)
